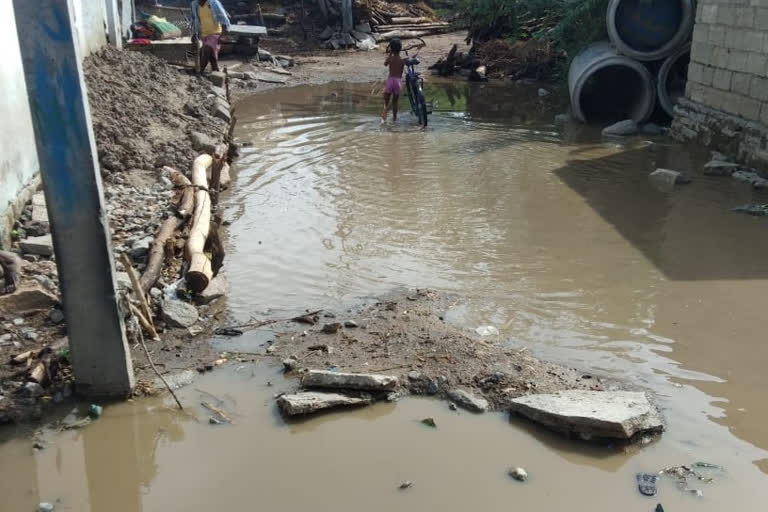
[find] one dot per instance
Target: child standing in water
(393, 86)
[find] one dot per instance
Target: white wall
(18, 153)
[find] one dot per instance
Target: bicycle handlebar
(421, 44)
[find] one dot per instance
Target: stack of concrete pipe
(645, 61)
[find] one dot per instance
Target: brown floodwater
(552, 235)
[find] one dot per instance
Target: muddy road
(552, 235)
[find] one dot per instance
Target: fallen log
(433, 26)
(187, 201)
(157, 253)
(402, 34)
(413, 21)
(199, 273)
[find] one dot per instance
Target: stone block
(40, 245)
(737, 60)
(726, 15)
(28, 297)
(709, 13)
(356, 381)
(707, 75)
(701, 33)
(757, 63)
(309, 402)
(217, 78)
(749, 108)
(722, 79)
(759, 88)
(702, 53)
(39, 209)
(741, 83)
(716, 35)
(745, 17)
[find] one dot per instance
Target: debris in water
(452, 406)
(696, 492)
(95, 411)
(430, 422)
(405, 485)
(757, 210)
(646, 484)
(706, 465)
(519, 474)
(45, 507)
(228, 331)
(38, 445)
(487, 330)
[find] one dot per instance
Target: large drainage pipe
(673, 75)
(606, 86)
(649, 29)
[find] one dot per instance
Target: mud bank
(148, 117)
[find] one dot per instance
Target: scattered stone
(18, 321)
(430, 422)
(216, 289)
(358, 381)
(479, 74)
(28, 297)
(331, 328)
(39, 209)
(468, 401)
(46, 282)
(123, 281)
(452, 406)
(217, 78)
(592, 414)
(405, 485)
(562, 119)
(220, 91)
(33, 389)
(666, 179)
(326, 33)
(310, 402)
(45, 507)
(95, 411)
(37, 445)
(432, 387)
(646, 483)
(221, 110)
(622, 128)
(756, 210)
(56, 316)
(718, 167)
(519, 474)
(363, 27)
(487, 330)
(40, 245)
(140, 248)
(290, 364)
(175, 380)
(350, 324)
(202, 142)
(414, 375)
(659, 508)
(543, 93)
(179, 314)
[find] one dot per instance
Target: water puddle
(556, 237)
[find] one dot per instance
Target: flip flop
(646, 483)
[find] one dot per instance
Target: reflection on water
(554, 236)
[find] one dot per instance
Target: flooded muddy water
(554, 236)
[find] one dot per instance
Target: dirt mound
(143, 111)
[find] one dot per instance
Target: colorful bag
(163, 28)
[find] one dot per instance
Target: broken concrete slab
(176, 380)
(202, 142)
(40, 245)
(468, 401)
(718, 167)
(221, 110)
(360, 381)
(217, 78)
(39, 209)
(363, 27)
(179, 314)
(28, 297)
(312, 401)
(666, 179)
(326, 33)
(592, 414)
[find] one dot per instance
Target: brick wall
(727, 88)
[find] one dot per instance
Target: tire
(411, 95)
(421, 105)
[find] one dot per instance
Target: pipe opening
(647, 26)
(614, 93)
(677, 78)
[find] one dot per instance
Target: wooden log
(402, 34)
(157, 252)
(413, 21)
(435, 26)
(199, 273)
(219, 161)
(226, 177)
(273, 17)
(187, 201)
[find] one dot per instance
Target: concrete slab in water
(592, 414)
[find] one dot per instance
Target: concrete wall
(18, 153)
(726, 103)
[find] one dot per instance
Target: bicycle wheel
(411, 94)
(421, 106)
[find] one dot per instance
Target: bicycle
(414, 84)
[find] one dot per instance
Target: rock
(717, 167)
(265, 55)
(358, 381)
(220, 92)
(33, 389)
(519, 474)
(221, 110)
(179, 314)
(651, 129)
(360, 36)
(175, 380)
(123, 281)
(216, 289)
(666, 179)
(350, 324)
(364, 27)
(46, 282)
(543, 93)
(407, 484)
(452, 406)
(140, 248)
(430, 422)
(37, 228)
(592, 414)
(309, 402)
(18, 321)
(202, 142)
(647, 483)
(347, 40)
(414, 375)
(479, 74)
(757, 210)
(217, 78)
(95, 411)
(40, 245)
(290, 364)
(39, 209)
(45, 507)
(468, 401)
(562, 119)
(56, 316)
(331, 328)
(432, 387)
(28, 297)
(487, 330)
(326, 34)
(622, 128)
(285, 61)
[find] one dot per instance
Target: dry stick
(157, 372)
(157, 253)
(217, 411)
(142, 320)
(254, 325)
(137, 291)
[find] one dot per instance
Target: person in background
(209, 19)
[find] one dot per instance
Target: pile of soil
(406, 335)
(144, 110)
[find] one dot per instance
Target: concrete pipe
(650, 29)
(673, 75)
(606, 86)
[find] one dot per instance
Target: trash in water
(227, 331)
(487, 330)
(706, 465)
(95, 411)
(646, 483)
(405, 485)
(430, 422)
(659, 508)
(758, 210)
(519, 474)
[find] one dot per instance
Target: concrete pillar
(114, 27)
(73, 191)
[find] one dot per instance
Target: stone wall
(726, 104)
